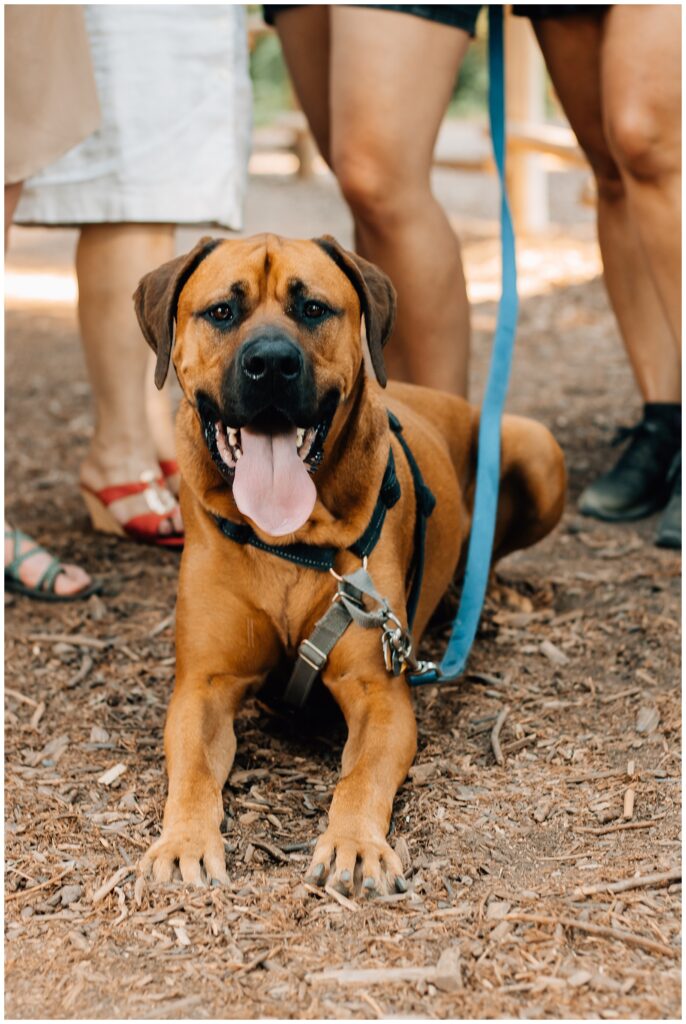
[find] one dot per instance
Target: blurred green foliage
(273, 94)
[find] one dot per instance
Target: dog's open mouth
(269, 463)
(228, 441)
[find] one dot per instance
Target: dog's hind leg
(532, 485)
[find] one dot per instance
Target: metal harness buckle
(311, 654)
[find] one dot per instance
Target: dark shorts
(539, 11)
(455, 15)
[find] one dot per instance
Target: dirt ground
(513, 869)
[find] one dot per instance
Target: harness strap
(320, 558)
(388, 496)
(347, 606)
(313, 653)
(425, 503)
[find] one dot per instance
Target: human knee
(375, 192)
(608, 177)
(639, 140)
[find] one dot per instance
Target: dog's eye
(221, 313)
(313, 310)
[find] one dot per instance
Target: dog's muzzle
(268, 435)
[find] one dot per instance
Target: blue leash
(488, 463)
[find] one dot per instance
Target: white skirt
(175, 97)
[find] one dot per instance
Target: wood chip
(543, 809)
(108, 777)
(422, 773)
(181, 935)
(647, 720)
(371, 975)
(402, 849)
(107, 887)
(448, 974)
(138, 890)
(340, 898)
(9, 692)
(497, 909)
(629, 799)
(553, 653)
(37, 715)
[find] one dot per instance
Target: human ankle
(111, 464)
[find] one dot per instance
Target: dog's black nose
(271, 359)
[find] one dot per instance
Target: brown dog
(267, 339)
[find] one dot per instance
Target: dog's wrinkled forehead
(264, 275)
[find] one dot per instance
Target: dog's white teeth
(300, 436)
(232, 436)
(237, 454)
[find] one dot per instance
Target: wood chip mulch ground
(547, 885)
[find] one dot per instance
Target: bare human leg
(573, 49)
(641, 88)
(378, 129)
(618, 81)
(110, 260)
(30, 569)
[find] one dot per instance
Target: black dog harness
(313, 652)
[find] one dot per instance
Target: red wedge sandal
(143, 527)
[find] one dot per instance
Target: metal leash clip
(396, 644)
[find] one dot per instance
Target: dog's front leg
(353, 854)
(200, 745)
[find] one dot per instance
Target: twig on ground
(621, 827)
(271, 849)
(371, 975)
(43, 885)
(86, 666)
(597, 929)
(108, 886)
(639, 882)
(75, 639)
(340, 898)
(495, 736)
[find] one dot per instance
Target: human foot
(31, 570)
(130, 498)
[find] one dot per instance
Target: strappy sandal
(144, 527)
(44, 589)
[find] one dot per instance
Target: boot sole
(625, 516)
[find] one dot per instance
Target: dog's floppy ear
(376, 294)
(156, 298)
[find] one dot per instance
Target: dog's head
(265, 336)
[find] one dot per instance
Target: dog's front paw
(353, 865)
(193, 845)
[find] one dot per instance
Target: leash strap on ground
(488, 463)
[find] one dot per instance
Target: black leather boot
(639, 484)
(669, 528)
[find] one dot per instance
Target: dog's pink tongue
(272, 486)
